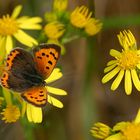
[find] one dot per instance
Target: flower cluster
(121, 131)
(63, 26)
(125, 64)
(81, 18)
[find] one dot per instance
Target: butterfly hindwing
(45, 57)
(36, 96)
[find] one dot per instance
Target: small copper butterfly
(25, 72)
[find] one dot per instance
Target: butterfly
(25, 72)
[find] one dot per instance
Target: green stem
(89, 104)
(123, 21)
(28, 129)
(67, 40)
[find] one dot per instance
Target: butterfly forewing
(20, 71)
(45, 57)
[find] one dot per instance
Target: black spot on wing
(39, 57)
(43, 54)
(50, 62)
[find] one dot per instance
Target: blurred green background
(88, 99)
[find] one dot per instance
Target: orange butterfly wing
(9, 62)
(45, 57)
(4, 79)
(36, 96)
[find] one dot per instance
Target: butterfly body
(26, 72)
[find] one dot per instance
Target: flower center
(8, 25)
(129, 59)
(131, 132)
(11, 113)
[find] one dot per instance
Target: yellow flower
(60, 5)
(54, 30)
(125, 64)
(100, 130)
(11, 114)
(80, 16)
(93, 26)
(127, 130)
(11, 26)
(122, 130)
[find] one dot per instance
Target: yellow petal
(2, 49)
(117, 136)
(138, 66)
(55, 75)
(137, 119)
(30, 27)
(55, 102)
(20, 20)
(93, 26)
(56, 91)
(120, 125)
(16, 11)
(109, 68)
(120, 38)
(33, 20)
(28, 112)
(31, 23)
(135, 79)
(115, 53)
(34, 114)
(25, 38)
(111, 62)
(117, 81)
(128, 82)
(110, 75)
(9, 44)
